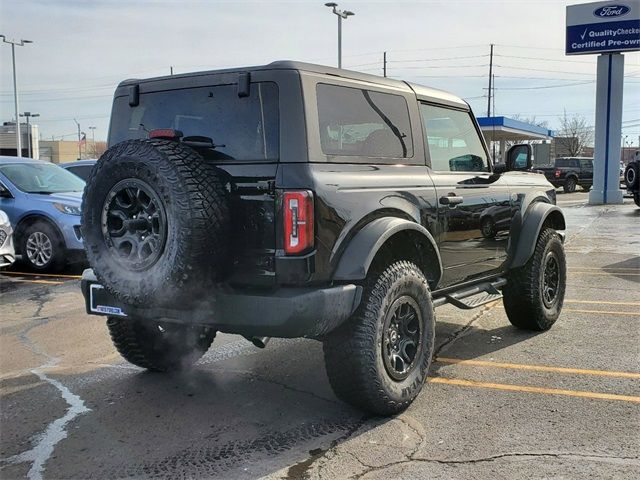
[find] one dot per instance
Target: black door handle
(451, 201)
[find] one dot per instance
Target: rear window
(241, 128)
(566, 162)
(357, 122)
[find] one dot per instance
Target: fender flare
(357, 257)
(525, 243)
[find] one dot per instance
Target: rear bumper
(286, 312)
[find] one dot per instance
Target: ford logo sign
(611, 11)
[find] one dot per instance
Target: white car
(7, 252)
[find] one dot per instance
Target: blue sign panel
(603, 37)
(603, 27)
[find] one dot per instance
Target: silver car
(7, 253)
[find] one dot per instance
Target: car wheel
(159, 346)
(570, 185)
(586, 188)
(488, 228)
(631, 176)
(42, 248)
(378, 360)
(534, 294)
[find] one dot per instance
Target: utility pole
(15, 89)
(384, 64)
(490, 81)
(79, 140)
(341, 14)
(171, 68)
(27, 115)
(93, 139)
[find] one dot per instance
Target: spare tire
(155, 222)
(631, 175)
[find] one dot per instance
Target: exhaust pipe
(259, 342)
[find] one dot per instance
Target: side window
(357, 122)
(586, 164)
(453, 141)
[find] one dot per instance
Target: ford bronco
(297, 200)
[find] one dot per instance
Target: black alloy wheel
(550, 280)
(134, 224)
(402, 337)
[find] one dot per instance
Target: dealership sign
(603, 27)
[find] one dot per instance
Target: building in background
(8, 139)
(63, 151)
(58, 151)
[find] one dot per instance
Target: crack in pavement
(461, 331)
(46, 441)
(300, 470)
(632, 461)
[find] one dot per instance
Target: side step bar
(474, 296)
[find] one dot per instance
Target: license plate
(102, 303)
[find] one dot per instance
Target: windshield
(41, 178)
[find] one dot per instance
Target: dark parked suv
(569, 173)
(296, 200)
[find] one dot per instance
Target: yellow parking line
(627, 314)
(604, 268)
(570, 271)
(47, 282)
(41, 274)
(598, 302)
(538, 368)
(527, 389)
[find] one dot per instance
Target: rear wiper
(199, 141)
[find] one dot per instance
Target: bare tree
(574, 135)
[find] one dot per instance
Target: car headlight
(68, 209)
(4, 219)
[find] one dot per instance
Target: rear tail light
(298, 221)
(557, 173)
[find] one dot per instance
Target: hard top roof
(425, 93)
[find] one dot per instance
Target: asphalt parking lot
(500, 403)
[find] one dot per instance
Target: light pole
(28, 115)
(15, 88)
(93, 139)
(341, 14)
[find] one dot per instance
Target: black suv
(296, 200)
(570, 172)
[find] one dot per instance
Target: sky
(82, 49)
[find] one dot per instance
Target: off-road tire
(523, 293)
(587, 187)
(353, 353)
(159, 347)
(194, 203)
(570, 185)
(57, 260)
(636, 198)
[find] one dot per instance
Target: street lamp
(341, 14)
(15, 88)
(28, 115)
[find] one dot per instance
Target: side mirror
(519, 157)
(4, 192)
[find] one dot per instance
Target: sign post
(608, 28)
